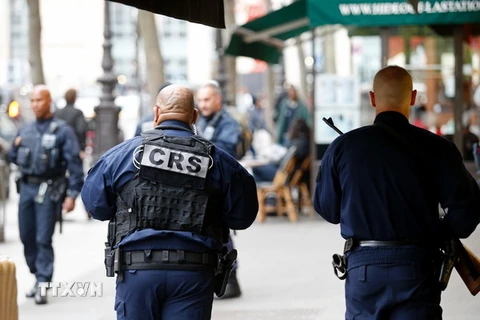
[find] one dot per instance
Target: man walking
(171, 197)
(383, 184)
(44, 150)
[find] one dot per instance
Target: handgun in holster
(448, 257)
(18, 181)
(222, 273)
(339, 262)
(109, 251)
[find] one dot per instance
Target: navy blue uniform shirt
(115, 168)
(377, 189)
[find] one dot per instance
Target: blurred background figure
(299, 139)
(74, 118)
(146, 123)
(291, 108)
(256, 115)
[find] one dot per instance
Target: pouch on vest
(23, 157)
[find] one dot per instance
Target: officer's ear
(195, 116)
(156, 115)
(413, 97)
(372, 99)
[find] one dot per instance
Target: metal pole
(106, 118)
(458, 105)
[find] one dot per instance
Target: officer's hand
(17, 141)
(68, 205)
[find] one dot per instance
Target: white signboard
(345, 120)
(332, 91)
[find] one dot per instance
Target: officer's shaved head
(175, 102)
(392, 90)
(40, 102)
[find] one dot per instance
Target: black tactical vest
(39, 154)
(171, 190)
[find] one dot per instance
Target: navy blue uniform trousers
(36, 225)
(391, 284)
(164, 294)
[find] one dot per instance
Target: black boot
(233, 288)
(31, 293)
(39, 297)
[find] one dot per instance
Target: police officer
(383, 183)
(171, 197)
(218, 126)
(44, 150)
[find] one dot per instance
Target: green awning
(264, 37)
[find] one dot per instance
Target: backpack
(244, 143)
(245, 136)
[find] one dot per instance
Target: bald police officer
(171, 197)
(383, 183)
(44, 150)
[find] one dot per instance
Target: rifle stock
(468, 267)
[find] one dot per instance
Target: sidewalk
(284, 271)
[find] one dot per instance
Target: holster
(113, 263)
(109, 259)
(222, 273)
(339, 262)
(18, 180)
(448, 258)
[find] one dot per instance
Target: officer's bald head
(392, 90)
(175, 102)
(40, 101)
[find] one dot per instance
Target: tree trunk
(302, 69)
(230, 62)
(155, 72)
(329, 50)
(270, 86)
(35, 42)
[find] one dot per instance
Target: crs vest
(39, 154)
(171, 190)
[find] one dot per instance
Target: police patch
(175, 161)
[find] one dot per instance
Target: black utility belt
(351, 243)
(38, 179)
(168, 259)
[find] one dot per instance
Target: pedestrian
(299, 141)
(291, 108)
(74, 118)
(218, 126)
(256, 116)
(383, 184)
(215, 123)
(43, 151)
(171, 197)
(146, 123)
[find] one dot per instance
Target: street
(284, 272)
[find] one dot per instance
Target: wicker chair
(281, 189)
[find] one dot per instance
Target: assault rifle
(454, 254)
